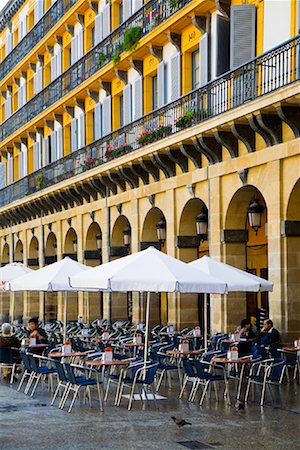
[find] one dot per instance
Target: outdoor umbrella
(237, 280)
(147, 271)
(10, 272)
(50, 278)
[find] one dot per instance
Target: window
(121, 111)
(93, 36)
(154, 93)
(195, 70)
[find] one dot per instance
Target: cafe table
(242, 362)
(66, 356)
(100, 364)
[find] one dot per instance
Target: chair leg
(65, 396)
(35, 386)
(120, 394)
(29, 383)
(204, 393)
(107, 390)
(25, 374)
(216, 391)
(99, 389)
(55, 393)
(76, 390)
(12, 373)
(160, 379)
(131, 398)
(247, 390)
(226, 393)
(154, 396)
(262, 398)
(185, 379)
(194, 390)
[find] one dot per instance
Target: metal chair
(7, 362)
(40, 371)
(207, 374)
(190, 376)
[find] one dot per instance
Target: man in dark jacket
(269, 336)
(8, 341)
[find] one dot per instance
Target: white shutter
(161, 84)
(242, 34)
(97, 121)
(138, 98)
(203, 59)
(20, 163)
(53, 141)
(46, 150)
(10, 163)
(2, 175)
(126, 9)
(80, 51)
(106, 20)
(8, 43)
(59, 62)
(38, 10)
(175, 77)
(8, 105)
(81, 130)
(59, 143)
(137, 4)
(74, 140)
(20, 97)
(37, 159)
(98, 28)
(38, 80)
(53, 67)
(73, 50)
(106, 115)
(25, 161)
(127, 99)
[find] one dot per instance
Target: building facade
(124, 123)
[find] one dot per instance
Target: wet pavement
(31, 423)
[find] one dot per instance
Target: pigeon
(180, 422)
(239, 405)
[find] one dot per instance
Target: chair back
(26, 361)
(6, 355)
(70, 373)
(200, 370)
(33, 362)
(188, 367)
(150, 373)
(276, 371)
(60, 371)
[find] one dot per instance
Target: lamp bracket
(69, 220)
(92, 216)
(119, 208)
(243, 174)
(191, 190)
(151, 199)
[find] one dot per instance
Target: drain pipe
(108, 225)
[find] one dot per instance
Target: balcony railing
(49, 19)
(148, 17)
(263, 75)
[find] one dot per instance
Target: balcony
(89, 64)
(230, 91)
(49, 19)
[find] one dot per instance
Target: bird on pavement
(239, 405)
(180, 422)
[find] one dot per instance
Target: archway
(159, 302)
(292, 230)
(5, 255)
(246, 249)
(191, 247)
(33, 253)
(121, 303)
(93, 257)
(51, 249)
(18, 257)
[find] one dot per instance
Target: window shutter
(98, 28)
(59, 143)
(2, 175)
(37, 163)
(137, 4)
(20, 162)
(73, 50)
(97, 122)
(53, 67)
(74, 135)
(58, 62)
(126, 9)
(106, 115)
(161, 84)
(175, 76)
(138, 98)
(53, 156)
(106, 20)
(19, 97)
(127, 98)
(46, 150)
(38, 10)
(10, 162)
(24, 99)
(81, 130)
(25, 162)
(203, 50)
(80, 44)
(242, 34)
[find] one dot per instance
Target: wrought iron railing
(263, 75)
(148, 17)
(40, 29)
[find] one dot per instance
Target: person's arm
(42, 336)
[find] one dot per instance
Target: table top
(190, 352)
(38, 346)
(65, 355)
(114, 362)
(291, 349)
(233, 361)
(188, 336)
(132, 344)
(112, 339)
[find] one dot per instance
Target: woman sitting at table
(36, 332)
(247, 338)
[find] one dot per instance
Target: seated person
(8, 341)
(269, 336)
(247, 337)
(35, 332)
